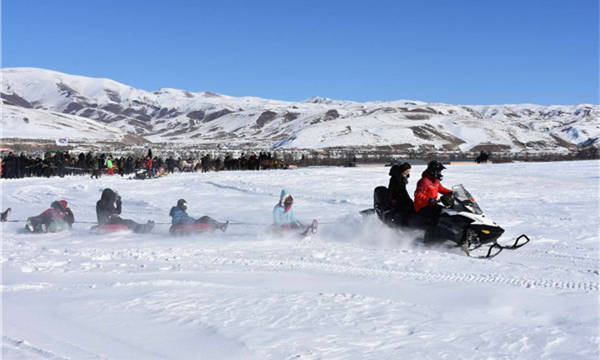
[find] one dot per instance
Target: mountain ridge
(181, 117)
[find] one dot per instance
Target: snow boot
(223, 226)
(29, 226)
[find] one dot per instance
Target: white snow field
(356, 290)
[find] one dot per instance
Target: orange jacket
(428, 188)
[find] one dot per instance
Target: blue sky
(461, 52)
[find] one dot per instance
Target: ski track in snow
(356, 290)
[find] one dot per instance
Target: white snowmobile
(461, 221)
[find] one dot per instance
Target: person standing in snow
(110, 166)
(283, 215)
(95, 168)
(148, 166)
(180, 216)
(57, 218)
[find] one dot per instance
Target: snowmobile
(141, 174)
(144, 174)
(461, 221)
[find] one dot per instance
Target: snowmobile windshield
(464, 200)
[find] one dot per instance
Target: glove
(432, 201)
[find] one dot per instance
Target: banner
(63, 141)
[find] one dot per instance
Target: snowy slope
(22, 123)
(355, 291)
(171, 115)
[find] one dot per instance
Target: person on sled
(108, 209)
(426, 197)
(180, 217)
(57, 218)
(283, 215)
(402, 206)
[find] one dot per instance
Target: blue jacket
(180, 217)
(280, 216)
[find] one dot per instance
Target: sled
(108, 228)
(292, 231)
(53, 227)
(189, 229)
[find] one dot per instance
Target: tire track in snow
(28, 349)
(572, 259)
(492, 279)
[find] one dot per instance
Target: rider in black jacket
(108, 209)
(401, 203)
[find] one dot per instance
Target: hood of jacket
(426, 174)
(108, 195)
(284, 195)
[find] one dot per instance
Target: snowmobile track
(25, 348)
(492, 279)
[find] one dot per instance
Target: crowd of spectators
(63, 163)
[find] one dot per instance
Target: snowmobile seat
(381, 202)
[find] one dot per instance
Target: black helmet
(435, 169)
(182, 204)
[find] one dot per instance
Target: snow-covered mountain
(182, 117)
(25, 123)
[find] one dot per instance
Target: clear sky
(455, 51)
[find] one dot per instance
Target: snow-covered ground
(357, 290)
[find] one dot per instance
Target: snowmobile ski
(516, 244)
(492, 251)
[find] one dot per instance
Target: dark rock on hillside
(15, 99)
(331, 115)
(196, 115)
(215, 115)
(290, 116)
(112, 96)
(265, 117)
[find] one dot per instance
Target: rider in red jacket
(429, 186)
(57, 218)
